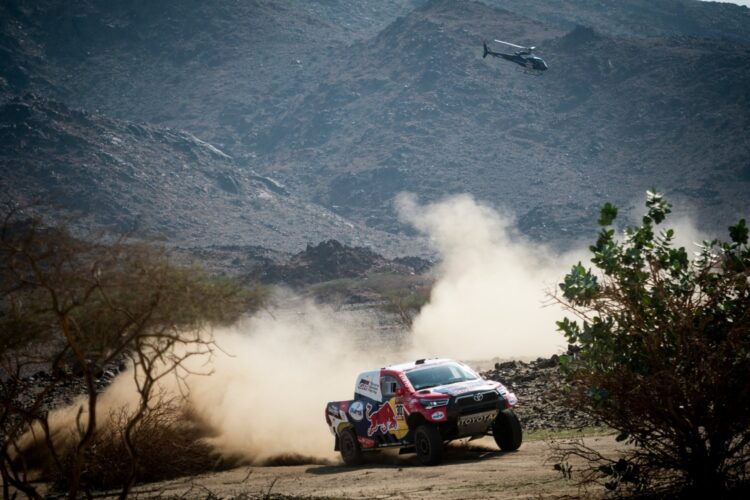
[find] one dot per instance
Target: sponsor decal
(485, 417)
(366, 385)
(464, 387)
(399, 411)
(438, 415)
(365, 442)
(356, 411)
(383, 419)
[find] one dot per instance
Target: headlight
(433, 403)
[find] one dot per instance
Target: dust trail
(266, 398)
(266, 394)
(489, 299)
(263, 392)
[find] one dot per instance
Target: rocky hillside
(153, 181)
(345, 105)
(720, 20)
(539, 386)
(326, 261)
(417, 108)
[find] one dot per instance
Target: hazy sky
(746, 3)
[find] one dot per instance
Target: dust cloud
(262, 393)
(268, 392)
(268, 384)
(491, 296)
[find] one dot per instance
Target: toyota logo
(478, 397)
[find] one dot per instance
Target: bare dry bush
(171, 443)
(70, 306)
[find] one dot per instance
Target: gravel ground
(475, 471)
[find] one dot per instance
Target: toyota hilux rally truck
(419, 406)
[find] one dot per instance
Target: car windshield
(431, 376)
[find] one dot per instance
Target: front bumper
(472, 414)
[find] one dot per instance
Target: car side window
(389, 385)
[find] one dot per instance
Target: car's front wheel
(429, 444)
(349, 447)
(506, 429)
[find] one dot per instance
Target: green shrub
(664, 355)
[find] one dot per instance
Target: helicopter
(523, 57)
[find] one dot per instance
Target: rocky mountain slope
(719, 20)
(417, 108)
(153, 182)
(328, 260)
(346, 105)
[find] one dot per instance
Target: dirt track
(478, 471)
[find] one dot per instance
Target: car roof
(420, 363)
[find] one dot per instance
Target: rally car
(419, 406)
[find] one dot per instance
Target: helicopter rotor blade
(516, 46)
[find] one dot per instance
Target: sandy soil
(477, 470)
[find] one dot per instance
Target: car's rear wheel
(428, 444)
(349, 447)
(506, 429)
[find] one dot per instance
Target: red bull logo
(383, 419)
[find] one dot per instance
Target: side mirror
(400, 392)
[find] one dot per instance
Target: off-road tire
(349, 448)
(506, 429)
(428, 444)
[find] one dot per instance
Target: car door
(390, 385)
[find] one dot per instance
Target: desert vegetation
(70, 306)
(663, 356)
